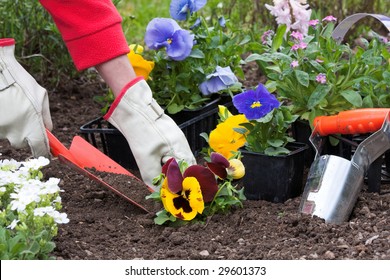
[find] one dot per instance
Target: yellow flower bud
(236, 168)
(223, 110)
(138, 49)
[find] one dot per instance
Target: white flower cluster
(21, 186)
(286, 11)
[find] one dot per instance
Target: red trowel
(82, 156)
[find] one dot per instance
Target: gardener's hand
(24, 105)
(153, 136)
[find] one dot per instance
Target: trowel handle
(357, 121)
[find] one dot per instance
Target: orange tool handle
(357, 121)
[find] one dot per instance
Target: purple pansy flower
(179, 9)
(165, 32)
(221, 79)
(255, 104)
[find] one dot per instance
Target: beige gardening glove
(24, 105)
(152, 135)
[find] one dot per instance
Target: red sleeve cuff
(99, 47)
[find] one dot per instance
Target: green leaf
(196, 53)
(367, 102)
(275, 143)
(302, 77)
(162, 217)
(353, 97)
(175, 108)
(254, 57)
(278, 38)
(318, 95)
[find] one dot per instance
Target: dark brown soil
(105, 226)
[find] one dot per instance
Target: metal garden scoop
(333, 182)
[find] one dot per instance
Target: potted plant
(319, 75)
(273, 161)
(196, 60)
(308, 66)
(191, 68)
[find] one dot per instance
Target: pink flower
(321, 78)
(300, 45)
(313, 22)
(297, 35)
(319, 60)
(265, 38)
(294, 64)
(329, 18)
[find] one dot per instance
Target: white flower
(27, 194)
(50, 186)
(6, 164)
(13, 224)
(40, 211)
(283, 9)
(302, 15)
(60, 218)
(36, 163)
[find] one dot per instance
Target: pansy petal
(224, 139)
(181, 45)
(255, 104)
(206, 179)
(167, 197)
(174, 176)
(159, 31)
(219, 159)
(192, 187)
(217, 169)
(165, 166)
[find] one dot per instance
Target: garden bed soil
(105, 226)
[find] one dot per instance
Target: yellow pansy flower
(224, 140)
(187, 203)
(142, 67)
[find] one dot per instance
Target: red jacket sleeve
(91, 30)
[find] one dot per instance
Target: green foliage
(227, 197)
(29, 211)
(39, 46)
(175, 84)
(355, 78)
(270, 134)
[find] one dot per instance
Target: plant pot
(110, 141)
(105, 137)
(274, 178)
(301, 132)
(186, 114)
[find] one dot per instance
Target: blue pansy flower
(221, 79)
(255, 104)
(179, 9)
(222, 21)
(166, 33)
(196, 23)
